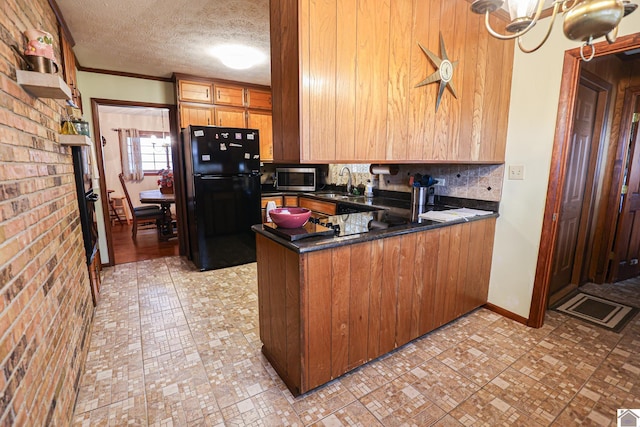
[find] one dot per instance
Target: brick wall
(45, 300)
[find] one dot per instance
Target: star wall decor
(444, 72)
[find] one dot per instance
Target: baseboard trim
(506, 313)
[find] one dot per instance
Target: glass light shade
(238, 57)
(522, 8)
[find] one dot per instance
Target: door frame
(564, 125)
(95, 115)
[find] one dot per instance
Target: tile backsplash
(481, 182)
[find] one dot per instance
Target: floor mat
(596, 310)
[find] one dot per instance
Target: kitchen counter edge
(321, 242)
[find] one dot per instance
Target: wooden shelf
(77, 140)
(43, 85)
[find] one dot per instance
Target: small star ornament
(444, 72)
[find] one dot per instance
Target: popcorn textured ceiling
(160, 37)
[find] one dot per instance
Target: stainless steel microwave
(296, 179)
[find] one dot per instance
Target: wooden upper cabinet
(195, 91)
(344, 86)
(230, 117)
(69, 68)
(259, 98)
(196, 115)
(228, 95)
(211, 102)
(261, 120)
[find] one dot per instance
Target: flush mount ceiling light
(238, 57)
(584, 20)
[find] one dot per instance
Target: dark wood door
(571, 220)
(627, 241)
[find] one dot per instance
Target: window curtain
(130, 154)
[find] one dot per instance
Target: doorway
(624, 264)
(576, 232)
(560, 153)
(155, 123)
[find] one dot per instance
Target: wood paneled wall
(344, 75)
(326, 312)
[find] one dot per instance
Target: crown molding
(123, 74)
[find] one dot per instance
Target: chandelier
(584, 20)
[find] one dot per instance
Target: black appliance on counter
(222, 184)
(86, 199)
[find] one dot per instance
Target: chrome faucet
(344, 168)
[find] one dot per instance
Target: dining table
(165, 200)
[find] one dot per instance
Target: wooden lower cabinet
(328, 208)
(95, 277)
(290, 201)
(266, 199)
(326, 312)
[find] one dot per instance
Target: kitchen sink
(337, 195)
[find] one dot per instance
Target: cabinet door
(230, 117)
(262, 121)
(317, 206)
(95, 277)
(195, 91)
(291, 201)
(199, 116)
(266, 199)
(228, 95)
(259, 99)
(69, 69)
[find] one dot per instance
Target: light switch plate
(516, 172)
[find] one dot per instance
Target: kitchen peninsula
(330, 304)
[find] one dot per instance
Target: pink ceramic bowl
(290, 217)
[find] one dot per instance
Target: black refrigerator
(222, 186)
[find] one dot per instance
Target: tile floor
(174, 346)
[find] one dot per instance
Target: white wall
(94, 85)
(532, 118)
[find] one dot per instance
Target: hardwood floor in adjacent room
(145, 247)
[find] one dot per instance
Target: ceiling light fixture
(238, 57)
(584, 20)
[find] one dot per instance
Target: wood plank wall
(359, 62)
(357, 302)
(394, 289)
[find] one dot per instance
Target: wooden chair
(142, 214)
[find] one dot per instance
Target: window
(155, 150)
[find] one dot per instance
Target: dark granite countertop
(396, 206)
(322, 242)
